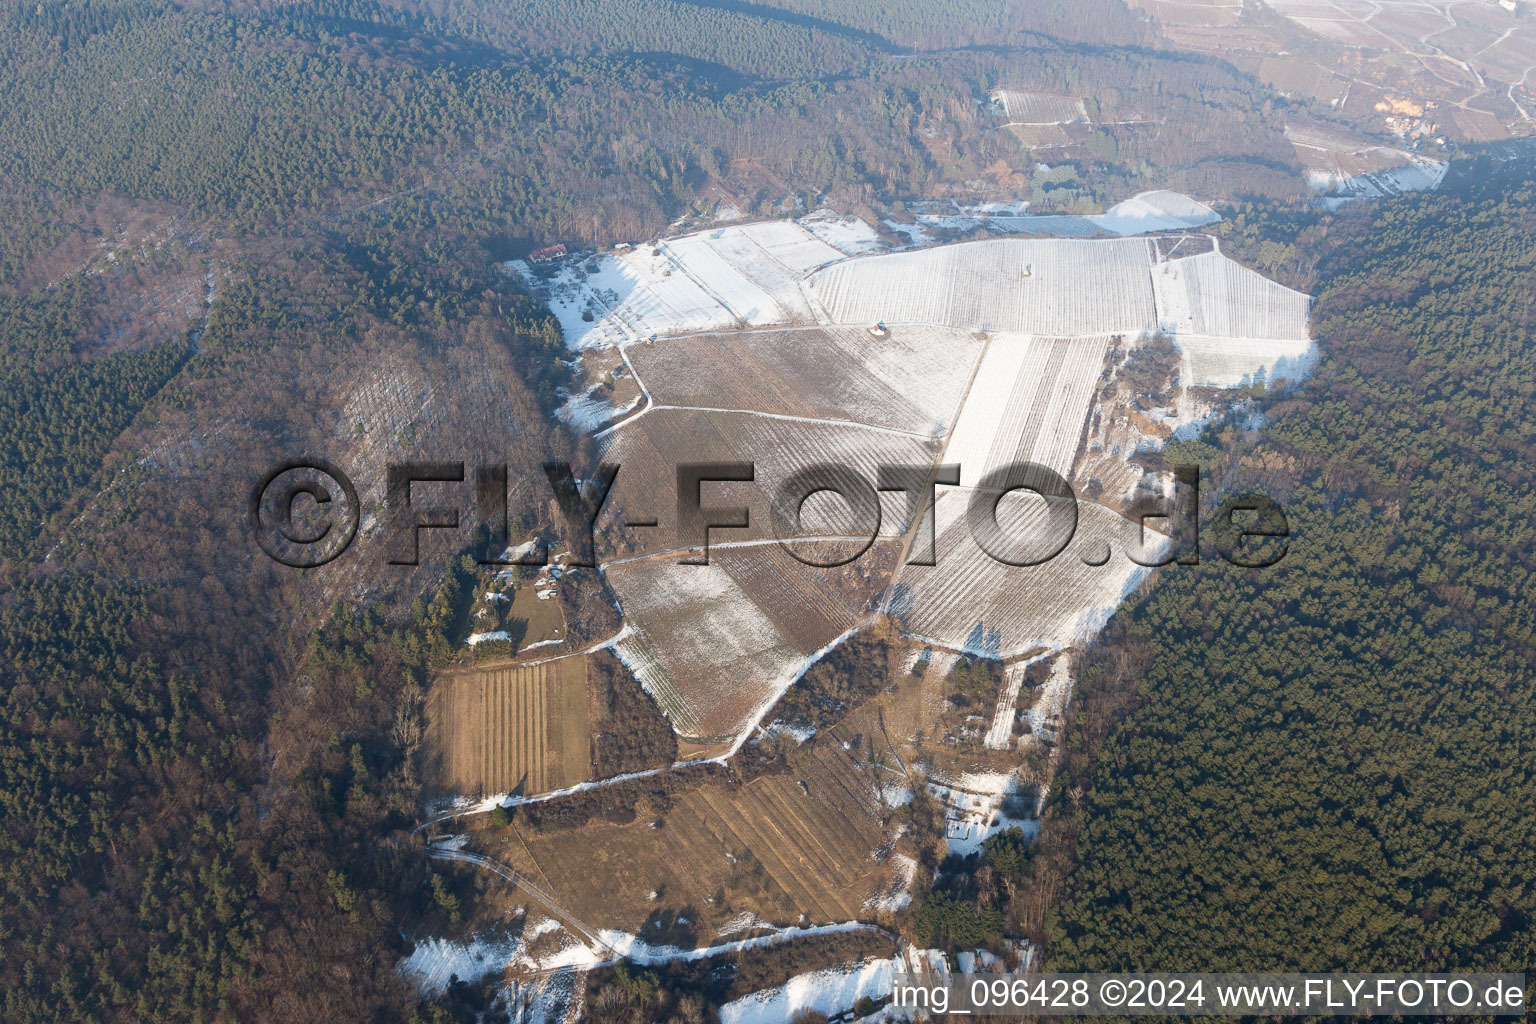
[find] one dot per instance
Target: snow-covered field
(701, 646)
(745, 274)
(1235, 362)
(848, 235)
(649, 446)
(1162, 210)
(1233, 325)
(435, 961)
(1211, 296)
(588, 412)
(739, 275)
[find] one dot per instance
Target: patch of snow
(848, 235)
(1051, 702)
(542, 643)
(549, 999)
(1000, 733)
(970, 218)
(1160, 210)
(830, 990)
(744, 922)
(973, 809)
(588, 413)
(899, 893)
(801, 733)
(544, 926)
(476, 639)
(515, 553)
(634, 948)
(435, 961)
(1418, 174)
(915, 233)
(924, 961)
(572, 953)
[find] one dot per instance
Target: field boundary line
(660, 407)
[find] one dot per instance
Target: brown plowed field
(511, 728)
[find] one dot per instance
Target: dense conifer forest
(1327, 764)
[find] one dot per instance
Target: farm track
(526, 885)
(799, 419)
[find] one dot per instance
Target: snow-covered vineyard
(975, 603)
(1072, 288)
(743, 275)
(1055, 287)
(793, 343)
(757, 275)
(1024, 107)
